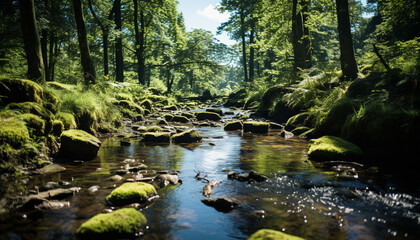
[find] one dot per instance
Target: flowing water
(339, 201)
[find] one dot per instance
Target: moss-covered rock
(67, 119)
(138, 117)
(122, 223)
(147, 104)
(237, 98)
(232, 126)
(331, 148)
(57, 127)
(13, 131)
(32, 107)
(157, 137)
(168, 117)
(154, 129)
(130, 105)
(20, 90)
(299, 130)
(161, 122)
(133, 192)
(179, 118)
(208, 116)
(79, 144)
(188, 115)
(35, 124)
(268, 234)
(215, 110)
(256, 127)
(171, 107)
(299, 120)
(188, 136)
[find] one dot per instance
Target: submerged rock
(43, 198)
(267, 234)
(256, 127)
(331, 148)
(133, 192)
(49, 169)
(250, 176)
(79, 144)
(122, 223)
(163, 180)
(189, 136)
(221, 204)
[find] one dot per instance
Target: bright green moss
(329, 148)
(188, 115)
(267, 234)
(13, 131)
(147, 104)
(122, 223)
(61, 86)
(32, 107)
(208, 116)
(232, 126)
(133, 192)
(67, 119)
(256, 127)
(171, 107)
(187, 137)
(35, 124)
(215, 110)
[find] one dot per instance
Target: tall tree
(347, 57)
(36, 70)
(140, 42)
(300, 36)
(89, 72)
(119, 59)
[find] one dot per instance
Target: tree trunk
(119, 60)
(251, 56)
(347, 58)
(306, 38)
(139, 43)
(89, 73)
(44, 49)
(36, 71)
(297, 33)
(244, 62)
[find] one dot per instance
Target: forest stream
(334, 201)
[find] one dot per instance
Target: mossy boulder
(67, 119)
(35, 124)
(79, 144)
(132, 192)
(157, 137)
(122, 223)
(256, 127)
(57, 127)
(154, 129)
(299, 120)
(130, 105)
(331, 148)
(188, 115)
(20, 90)
(147, 104)
(300, 130)
(237, 98)
(215, 110)
(13, 131)
(208, 116)
(268, 234)
(168, 117)
(179, 118)
(232, 126)
(171, 108)
(32, 107)
(188, 136)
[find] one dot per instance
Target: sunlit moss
(67, 119)
(333, 148)
(13, 131)
(187, 137)
(157, 137)
(20, 90)
(120, 223)
(268, 234)
(232, 126)
(207, 116)
(137, 192)
(35, 124)
(256, 127)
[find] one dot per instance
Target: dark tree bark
(347, 58)
(307, 44)
(36, 70)
(89, 72)
(140, 43)
(244, 61)
(251, 55)
(119, 60)
(300, 36)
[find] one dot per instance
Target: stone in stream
(208, 116)
(157, 137)
(232, 126)
(122, 223)
(79, 144)
(256, 127)
(189, 136)
(132, 192)
(49, 169)
(115, 178)
(221, 204)
(32, 201)
(268, 234)
(331, 148)
(163, 180)
(250, 176)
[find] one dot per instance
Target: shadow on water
(298, 198)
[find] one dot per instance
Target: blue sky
(202, 14)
